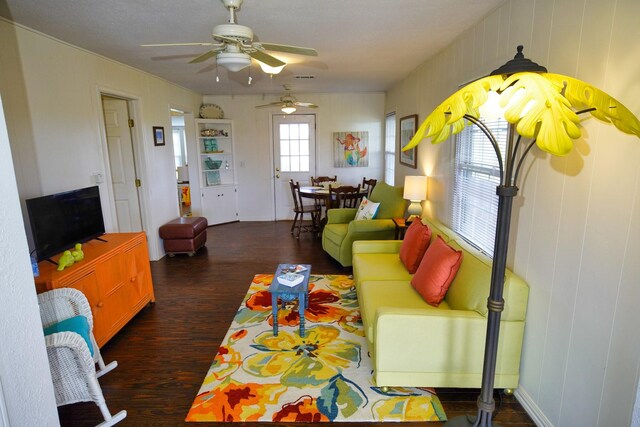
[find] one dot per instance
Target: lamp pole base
(469, 421)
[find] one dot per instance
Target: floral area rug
(324, 376)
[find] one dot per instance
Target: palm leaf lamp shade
(544, 109)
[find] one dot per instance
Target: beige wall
(254, 149)
(52, 101)
(576, 222)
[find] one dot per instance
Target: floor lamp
(543, 109)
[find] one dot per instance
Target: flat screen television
(59, 221)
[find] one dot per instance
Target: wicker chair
(73, 369)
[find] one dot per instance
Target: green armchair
(341, 229)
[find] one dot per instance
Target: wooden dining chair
(301, 209)
(321, 179)
(318, 181)
(368, 184)
(345, 196)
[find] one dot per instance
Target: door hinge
(131, 123)
(138, 183)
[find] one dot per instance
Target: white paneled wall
(576, 224)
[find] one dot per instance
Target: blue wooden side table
(289, 293)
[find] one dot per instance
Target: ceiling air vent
(305, 77)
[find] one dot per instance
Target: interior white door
(294, 156)
(122, 164)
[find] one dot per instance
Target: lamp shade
(415, 187)
(233, 61)
(288, 109)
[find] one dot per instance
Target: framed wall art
(158, 136)
(408, 128)
(350, 149)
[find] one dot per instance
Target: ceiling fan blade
(266, 58)
(289, 49)
(179, 44)
(271, 104)
(203, 57)
(305, 104)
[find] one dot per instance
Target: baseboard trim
(532, 408)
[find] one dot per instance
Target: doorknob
(277, 175)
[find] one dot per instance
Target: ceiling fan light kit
(288, 109)
(233, 61)
(269, 69)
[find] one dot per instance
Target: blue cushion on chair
(77, 324)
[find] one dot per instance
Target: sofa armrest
(341, 215)
(376, 246)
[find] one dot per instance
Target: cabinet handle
(133, 279)
(100, 304)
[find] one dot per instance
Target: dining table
(320, 195)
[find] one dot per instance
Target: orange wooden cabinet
(114, 275)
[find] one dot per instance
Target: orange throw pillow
(414, 245)
(437, 270)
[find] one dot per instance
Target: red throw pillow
(437, 270)
(414, 245)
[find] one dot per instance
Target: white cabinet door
(219, 204)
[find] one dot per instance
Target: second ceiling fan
(234, 46)
(288, 104)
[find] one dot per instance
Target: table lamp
(415, 190)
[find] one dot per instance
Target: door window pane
(304, 147)
(304, 131)
(294, 147)
(284, 147)
(284, 131)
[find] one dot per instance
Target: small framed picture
(158, 135)
(408, 128)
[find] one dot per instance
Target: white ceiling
(363, 45)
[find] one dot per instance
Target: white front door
(294, 156)
(122, 164)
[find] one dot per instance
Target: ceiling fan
(234, 46)
(288, 104)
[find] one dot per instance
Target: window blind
(475, 203)
(390, 148)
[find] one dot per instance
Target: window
(475, 203)
(179, 146)
(390, 148)
(294, 147)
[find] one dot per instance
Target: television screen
(59, 221)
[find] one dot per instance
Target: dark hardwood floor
(164, 353)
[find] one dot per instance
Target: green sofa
(341, 229)
(415, 344)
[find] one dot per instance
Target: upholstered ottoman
(184, 235)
